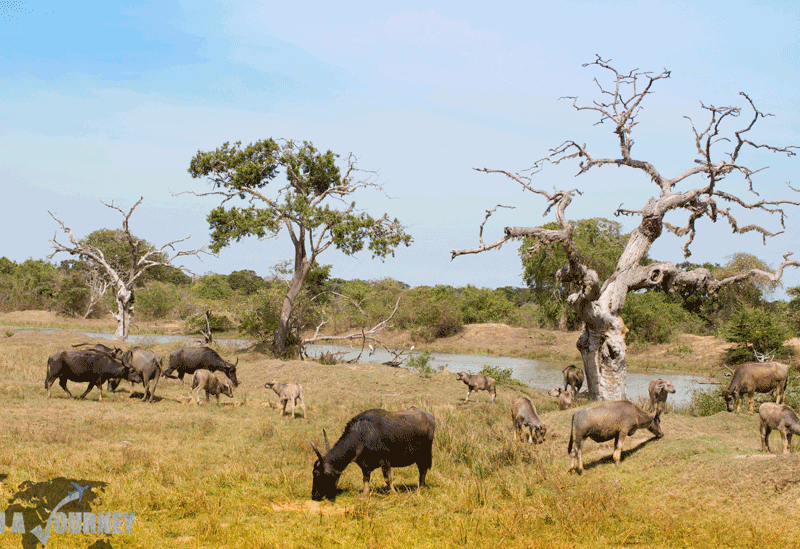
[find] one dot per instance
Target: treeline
(249, 304)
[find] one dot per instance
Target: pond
(539, 374)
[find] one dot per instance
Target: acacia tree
(123, 269)
(311, 206)
(598, 303)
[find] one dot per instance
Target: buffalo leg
(618, 442)
(787, 441)
(283, 410)
(303, 406)
(63, 383)
(469, 392)
(765, 431)
(387, 476)
(155, 379)
(577, 455)
(750, 396)
(365, 491)
(89, 388)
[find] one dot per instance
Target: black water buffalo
(148, 364)
(85, 366)
(115, 352)
(187, 360)
(376, 438)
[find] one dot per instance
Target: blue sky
(110, 101)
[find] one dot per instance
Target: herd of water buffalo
(379, 438)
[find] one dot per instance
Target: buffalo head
(323, 485)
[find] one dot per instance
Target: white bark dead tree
(598, 303)
(123, 281)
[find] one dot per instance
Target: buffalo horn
(327, 444)
(315, 450)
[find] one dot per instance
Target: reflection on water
(536, 373)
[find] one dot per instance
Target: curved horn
(237, 362)
(315, 450)
(327, 444)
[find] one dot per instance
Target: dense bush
(652, 317)
(755, 330)
(157, 300)
(707, 402)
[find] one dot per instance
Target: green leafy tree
(755, 331)
(314, 206)
(600, 243)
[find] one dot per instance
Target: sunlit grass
(239, 475)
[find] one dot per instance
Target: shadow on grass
(625, 453)
(37, 501)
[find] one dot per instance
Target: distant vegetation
(248, 304)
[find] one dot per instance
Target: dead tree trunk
(602, 342)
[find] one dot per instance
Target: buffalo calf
(213, 383)
(477, 383)
(659, 389)
(779, 417)
(288, 392)
(524, 416)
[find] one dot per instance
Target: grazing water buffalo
(288, 392)
(780, 417)
(573, 377)
(213, 383)
(617, 420)
(85, 366)
(376, 438)
(477, 383)
(756, 377)
(187, 360)
(148, 364)
(524, 416)
(659, 389)
(565, 398)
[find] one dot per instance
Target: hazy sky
(109, 101)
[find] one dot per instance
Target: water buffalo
(477, 383)
(524, 416)
(85, 366)
(780, 417)
(756, 377)
(148, 364)
(573, 378)
(659, 389)
(617, 420)
(187, 360)
(213, 383)
(115, 353)
(565, 398)
(288, 392)
(376, 438)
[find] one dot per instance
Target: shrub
(217, 322)
(707, 402)
(157, 300)
(421, 363)
(754, 330)
(502, 376)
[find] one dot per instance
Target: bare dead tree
(98, 284)
(123, 281)
(598, 303)
(367, 337)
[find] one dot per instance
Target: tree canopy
(314, 206)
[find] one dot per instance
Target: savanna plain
(239, 475)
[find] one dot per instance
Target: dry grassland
(239, 476)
